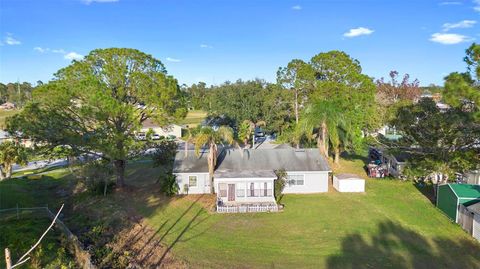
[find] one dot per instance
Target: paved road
(39, 164)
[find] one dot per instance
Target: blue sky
(214, 41)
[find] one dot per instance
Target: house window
(298, 180)
(192, 181)
(222, 190)
(265, 190)
(252, 189)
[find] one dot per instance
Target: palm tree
(328, 119)
(189, 138)
(206, 136)
(247, 130)
(11, 153)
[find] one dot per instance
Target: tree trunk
(2, 174)
(120, 172)
(325, 138)
(337, 156)
(212, 162)
(320, 143)
(8, 171)
(296, 106)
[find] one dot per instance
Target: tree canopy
(96, 105)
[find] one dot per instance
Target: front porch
(243, 195)
(246, 208)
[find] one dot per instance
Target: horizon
(215, 42)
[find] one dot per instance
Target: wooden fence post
(8, 260)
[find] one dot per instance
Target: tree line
(95, 106)
(16, 92)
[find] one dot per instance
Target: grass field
(194, 118)
(4, 114)
(391, 225)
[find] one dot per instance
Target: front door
(231, 192)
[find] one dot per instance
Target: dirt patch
(143, 247)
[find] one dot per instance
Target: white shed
(348, 183)
(475, 210)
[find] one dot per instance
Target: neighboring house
(472, 177)
(348, 183)
(392, 162)
(171, 130)
(244, 179)
(7, 106)
(3, 136)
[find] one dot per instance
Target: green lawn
(194, 118)
(391, 225)
(4, 114)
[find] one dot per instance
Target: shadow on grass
(427, 190)
(394, 246)
(353, 157)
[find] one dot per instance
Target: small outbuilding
(475, 211)
(451, 198)
(348, 183)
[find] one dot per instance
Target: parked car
(155, 137)
(259, 132)
(141, 136)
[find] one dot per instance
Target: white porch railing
(247, 208)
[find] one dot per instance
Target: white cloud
(449, 39)
(66, 55)
(206, 46)
(358, 32)
(40, 49)
(73, 56)
(61, 51)
(297, 7)
(477, 5)
(450, 3)
(9, 40)
(460, 24)
(88, 2)
(173, 60)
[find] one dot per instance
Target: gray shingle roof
(257, 162)
(348, 176)
(475, 208)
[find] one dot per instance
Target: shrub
(169, 184)
(280, 183)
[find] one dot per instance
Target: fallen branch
(24, 258)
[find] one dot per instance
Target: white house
(171, 130)
(245, 178)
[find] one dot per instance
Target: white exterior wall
(476, 227)
(348, 185)
(174, 130)
(203, 183)
(244, 184)
(314, 182)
